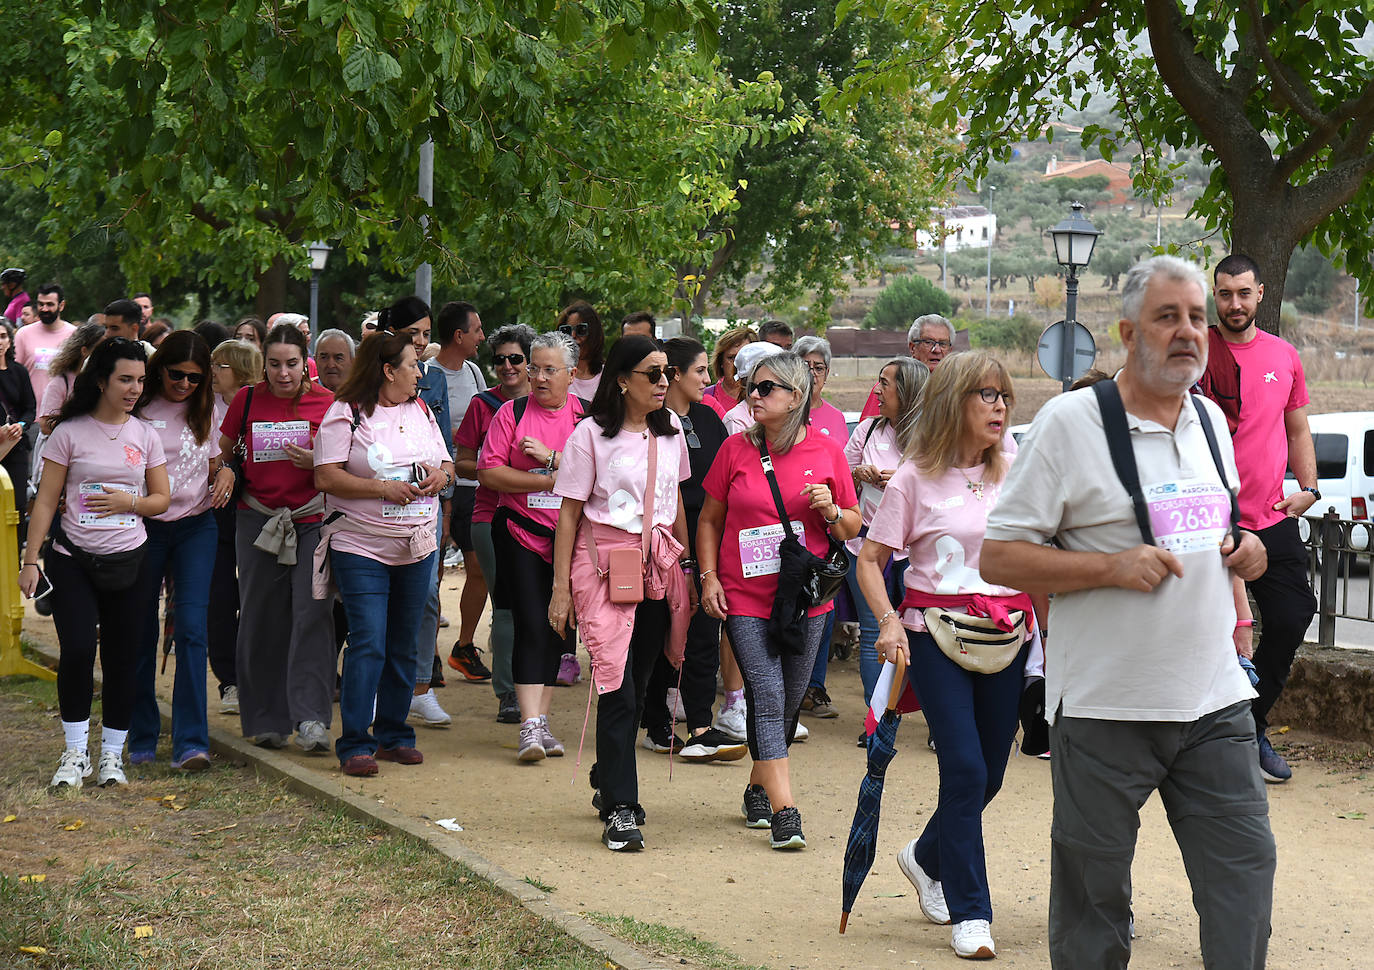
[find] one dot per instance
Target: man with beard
(1142, 688)
(1258, 379)
(36, 345)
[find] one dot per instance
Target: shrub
(904, 300)
(1019, 333)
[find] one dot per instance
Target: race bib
(758, 548)
(42, 357)
(268, 439)
(543, 500)
(124, 520)
(1189, 516)
(417, 508)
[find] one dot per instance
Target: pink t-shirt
(271, 477)
(585, 387)
(940, 522)
(502, 448)
(95, 454)
(55, 394)
(748, 563)
(385, 445)
(880, 450)
(35, 346)
(716, 403)
(738, 418)
(188, 462)
(1271, 385)
(609, 475)
(471, 434)
(829, 420)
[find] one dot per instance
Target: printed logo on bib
(758, 548)
(270, 438)
(1188, 516)
(42, 357)
(543, 500)
(125, 520)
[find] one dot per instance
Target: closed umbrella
(863, 833)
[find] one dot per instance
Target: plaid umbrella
(863, 833)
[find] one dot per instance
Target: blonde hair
(940, 426)
(244, 360)
(726, 342)
(793, 372)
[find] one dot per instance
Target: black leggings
(222, 617)
(77, 609)
(527, 586)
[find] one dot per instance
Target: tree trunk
(271, 296)
(1267, 235)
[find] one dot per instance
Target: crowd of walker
(289, 507)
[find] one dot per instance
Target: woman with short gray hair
(738, 537)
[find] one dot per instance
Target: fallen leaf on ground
(33, 949)
(142, 932)
(1283, 730)
(39, 877)
(1353, 816)
(11, 818)
(73, 826)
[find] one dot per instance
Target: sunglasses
(765, 388)
(181, 375)
(692, 440)
(656, 373)
(501, 360)
(580, 330)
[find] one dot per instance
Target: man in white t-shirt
(1143, 689)
(37, 344)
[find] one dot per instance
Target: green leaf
(52, 139)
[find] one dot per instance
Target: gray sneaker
(229, 700)
(531, 742)
(313, 737)
(553, 747)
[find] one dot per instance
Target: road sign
(1050, 351)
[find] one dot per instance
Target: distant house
(1118, 176)
(964, 227)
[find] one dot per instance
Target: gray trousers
(285, 649)
(502, 624)
(774, 683)
(1207, 775)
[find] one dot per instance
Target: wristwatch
(1316, 495)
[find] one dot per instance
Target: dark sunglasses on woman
(765, 388)
(581, 330)
(656, 373)
(501, 360)
(191, 377)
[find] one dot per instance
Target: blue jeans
(869, 664)
(972, 719)
(384, 605)
(185, 550)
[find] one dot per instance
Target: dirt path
(704, 872)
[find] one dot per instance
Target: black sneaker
(712, 745)
(621, 833)
(758, 810)
(464, 658)
(787, 830)
(1273, 768)
(662, 745)
(508, 711)
(436, 676)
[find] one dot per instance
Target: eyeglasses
(765, 388)
(656, 373)
(692, 440)
(933, 344)
(991, 394)
(182, 375)
(580, 330)
(819, 369)
(501, 360)
(549, 373)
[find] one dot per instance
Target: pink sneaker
(569, 670)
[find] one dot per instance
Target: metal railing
(1340, 554)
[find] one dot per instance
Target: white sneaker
(730, 722)
(111, 769)
(425, 708)
(972, 940)
(801, 734)
(229, 701)
(675, 707)
(312, 736)
(929, 893)
(72, 769)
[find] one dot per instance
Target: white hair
(1138, 279)
(556, 340)
(330, 335)
(813, 345)
(929, 320)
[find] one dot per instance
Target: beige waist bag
(976, 643)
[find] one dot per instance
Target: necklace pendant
(977, 489)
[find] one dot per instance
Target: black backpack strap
(1215, 449)
(767, 460)
(1123, 455)
(519, 407)
(492, 400)
(872, 427)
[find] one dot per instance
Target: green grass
(670, 942)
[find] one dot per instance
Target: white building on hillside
(964, 226)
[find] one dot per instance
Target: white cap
(749, 357)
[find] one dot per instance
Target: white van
(1344, 443)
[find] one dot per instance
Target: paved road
(1353, 598)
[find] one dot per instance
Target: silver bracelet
(883, 619)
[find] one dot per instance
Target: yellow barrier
(12, 659)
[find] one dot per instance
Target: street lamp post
(319, 256)
(987, 307)
(1074, 239)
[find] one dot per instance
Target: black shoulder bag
(805, 580)
(240, 455)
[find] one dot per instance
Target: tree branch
(1315, 200)
(1289, 87)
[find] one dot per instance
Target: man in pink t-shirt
(1271, 435)
(37, 344)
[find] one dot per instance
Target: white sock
(112, 740)
(732, 697)
(533, 720)
(77, 734)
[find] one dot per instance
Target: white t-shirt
(880, 450)
(463, 384)
(1117, 654)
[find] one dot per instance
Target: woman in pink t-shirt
(727, 391)
(180, 406)
(520, 461)
(738, 535)
(285, 667)
(510, 354)
(936, 507)
(605, 489)
(381, 461)
(110, 469)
